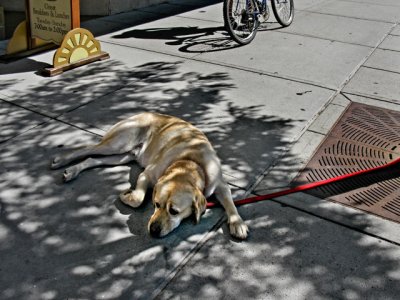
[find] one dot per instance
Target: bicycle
(243, 17)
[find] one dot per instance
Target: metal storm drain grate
(364, 137)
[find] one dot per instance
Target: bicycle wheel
(283, 11)
(240, 20)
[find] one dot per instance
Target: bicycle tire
(283, 11)
(239, 21)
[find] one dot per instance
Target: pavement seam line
(333, 96)
(30, 108)
(324, 39)
(249, 70)
(199, 19)
(313, 5)
(180, 266)
(51, 118)
(387, 49)
(335, 222)
(196, 57)
(347, 80)
(376, 97)
(350, 17)
(380, 69)
(368, 2)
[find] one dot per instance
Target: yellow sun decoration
(77, 46)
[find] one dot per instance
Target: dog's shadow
(139, 217)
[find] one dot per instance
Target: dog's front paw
(238, 228)
(132, 198)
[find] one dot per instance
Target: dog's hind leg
(135, 197)
(114, 160)
(62, 160)
(120, 139)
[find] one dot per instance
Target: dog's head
(174, 200)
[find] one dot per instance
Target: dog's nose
(155, 230)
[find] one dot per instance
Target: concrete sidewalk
(265, 107)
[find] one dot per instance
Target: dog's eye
(173, 211)
(157, 205)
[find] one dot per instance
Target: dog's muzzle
(155, 229)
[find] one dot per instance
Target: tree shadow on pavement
(291, 254)
(77, 240)
(22, 66)
(72, 240)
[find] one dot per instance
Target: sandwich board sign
(56, 22)
(50, 20)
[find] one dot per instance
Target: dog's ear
(199, 205)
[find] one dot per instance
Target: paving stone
(77, 240)
(383, 2)
(193, 2)
(56, 95)
(396, 30)
(315, 60)
(375, 83)
(327, 119)
(173, 35)
(290, 255)
(169, 9)
(385, 60)
(14, 121)
(391, 42)
(227, 104)
(337, 28)
(101, 26)
(279, 176)
(367, 11)
(307, 4)
(341, 100)
(374, 102)
(132, 18)
(210, 13)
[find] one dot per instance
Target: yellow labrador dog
(178, 161)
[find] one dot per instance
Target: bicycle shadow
(192, 39)
(269, 26)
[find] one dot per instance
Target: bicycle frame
(242, 18)
(257, 11)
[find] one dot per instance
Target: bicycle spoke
(284, 11)
(240, 20)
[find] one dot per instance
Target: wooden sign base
(61, 69)
(79, 47)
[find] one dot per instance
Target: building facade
(89, 7)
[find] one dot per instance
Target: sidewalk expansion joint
(350, 17)
(31, 108)
(264, 73)
(325, 39)
(250, 70)
(380, 69)
(170, 277)
(372, 3)
(354, 228)
(375, 97)
(200, 19)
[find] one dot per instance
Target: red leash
(307, 186)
